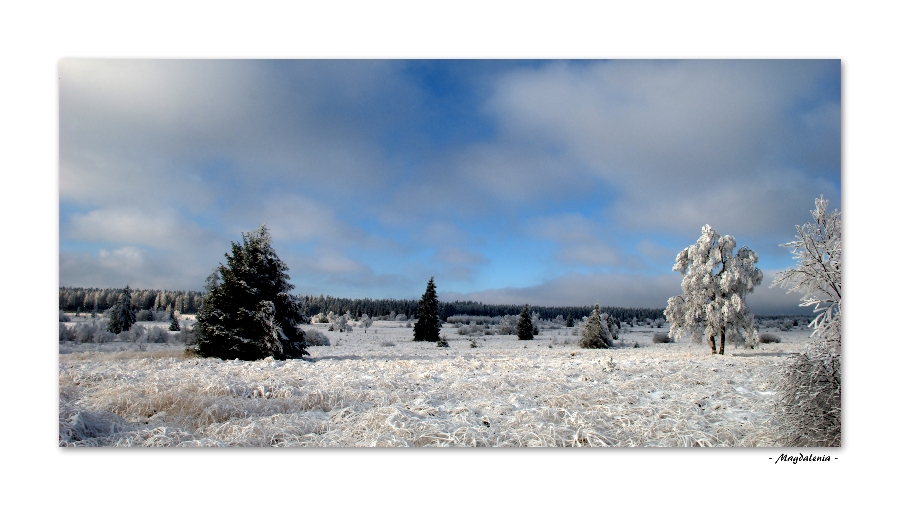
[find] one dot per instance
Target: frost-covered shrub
(187, 335)
(63, 317)
(442, 343)
(157, 335)
(65, 333)
(137, 334)
(769, 338)
(387, 343)
(146, 315)
(339, 323)
(809, 388)
(506, 326)
(319, 318)
(91, 333)
(809, 398)
(316, 338)
(471, 329)
(661, 337)
(400, 318)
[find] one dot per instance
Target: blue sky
(546, 182)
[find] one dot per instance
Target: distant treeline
(313, 305)
(101, 299)
(188, 302)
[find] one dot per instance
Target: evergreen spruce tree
(247, 312)
(173, 325)
(428, 324)
(570, 322)
(524, 328)
(122, 314)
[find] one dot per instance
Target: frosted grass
(358, 393)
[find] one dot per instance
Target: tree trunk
(712, 344)
(722, 343)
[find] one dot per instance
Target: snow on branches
(818, 272)
(715, 282)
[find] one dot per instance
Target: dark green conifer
(525, 329)
(428, 323)
(247, 312)
(122, 315)
(173, 321)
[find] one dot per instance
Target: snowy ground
(381, 389)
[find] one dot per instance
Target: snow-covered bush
(65, 333)
(316, 338)
(769, 338)
(63, 317)
(507, 325)
(809, 397)
(715, 282)
(339, 323)
(320, 318)
(187, 335)
(661, 337)
(157, 335)
(89, 333)
(137, 334)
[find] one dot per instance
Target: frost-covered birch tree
(366, 322)
(809, 385)
(817, 275)
(715, 282)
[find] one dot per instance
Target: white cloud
(679, 142)
(622, 290)
(159, 229)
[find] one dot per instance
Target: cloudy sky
(547, 182)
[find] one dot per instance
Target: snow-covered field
(381, 389)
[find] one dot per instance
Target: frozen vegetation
(379, 388)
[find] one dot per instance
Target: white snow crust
(361, 391)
